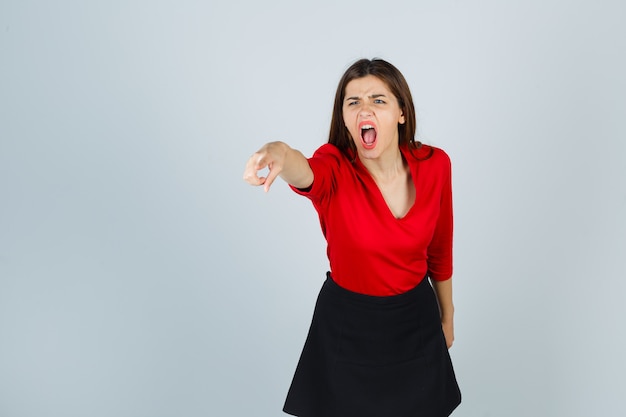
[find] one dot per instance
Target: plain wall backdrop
(141, 277)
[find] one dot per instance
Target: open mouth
(368, 134)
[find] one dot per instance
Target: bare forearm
(296, 170)
(443, 289)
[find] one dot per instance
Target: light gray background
(140, 276)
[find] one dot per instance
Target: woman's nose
(365, 110)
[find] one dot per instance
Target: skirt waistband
(406, 297)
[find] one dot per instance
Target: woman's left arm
(443, 289)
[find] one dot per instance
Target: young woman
(379, 338)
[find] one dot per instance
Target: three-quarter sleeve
(440, 248)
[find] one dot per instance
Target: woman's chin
(368, 153)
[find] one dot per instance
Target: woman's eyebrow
(371, 96)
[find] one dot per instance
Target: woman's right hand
(279, 159)
(272, 156)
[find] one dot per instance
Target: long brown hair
(393, 78)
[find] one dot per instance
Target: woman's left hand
(448, 331)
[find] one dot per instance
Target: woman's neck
(387, 166)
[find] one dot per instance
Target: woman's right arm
(281, 160)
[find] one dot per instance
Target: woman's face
(372, 114)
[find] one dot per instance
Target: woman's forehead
(365, 85)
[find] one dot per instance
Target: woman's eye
(352, 103)
(379, 101)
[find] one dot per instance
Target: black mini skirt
(369, 356)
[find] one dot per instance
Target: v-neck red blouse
(370, 250)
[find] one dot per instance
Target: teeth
(367, 127)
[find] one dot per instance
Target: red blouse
(370, 250)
